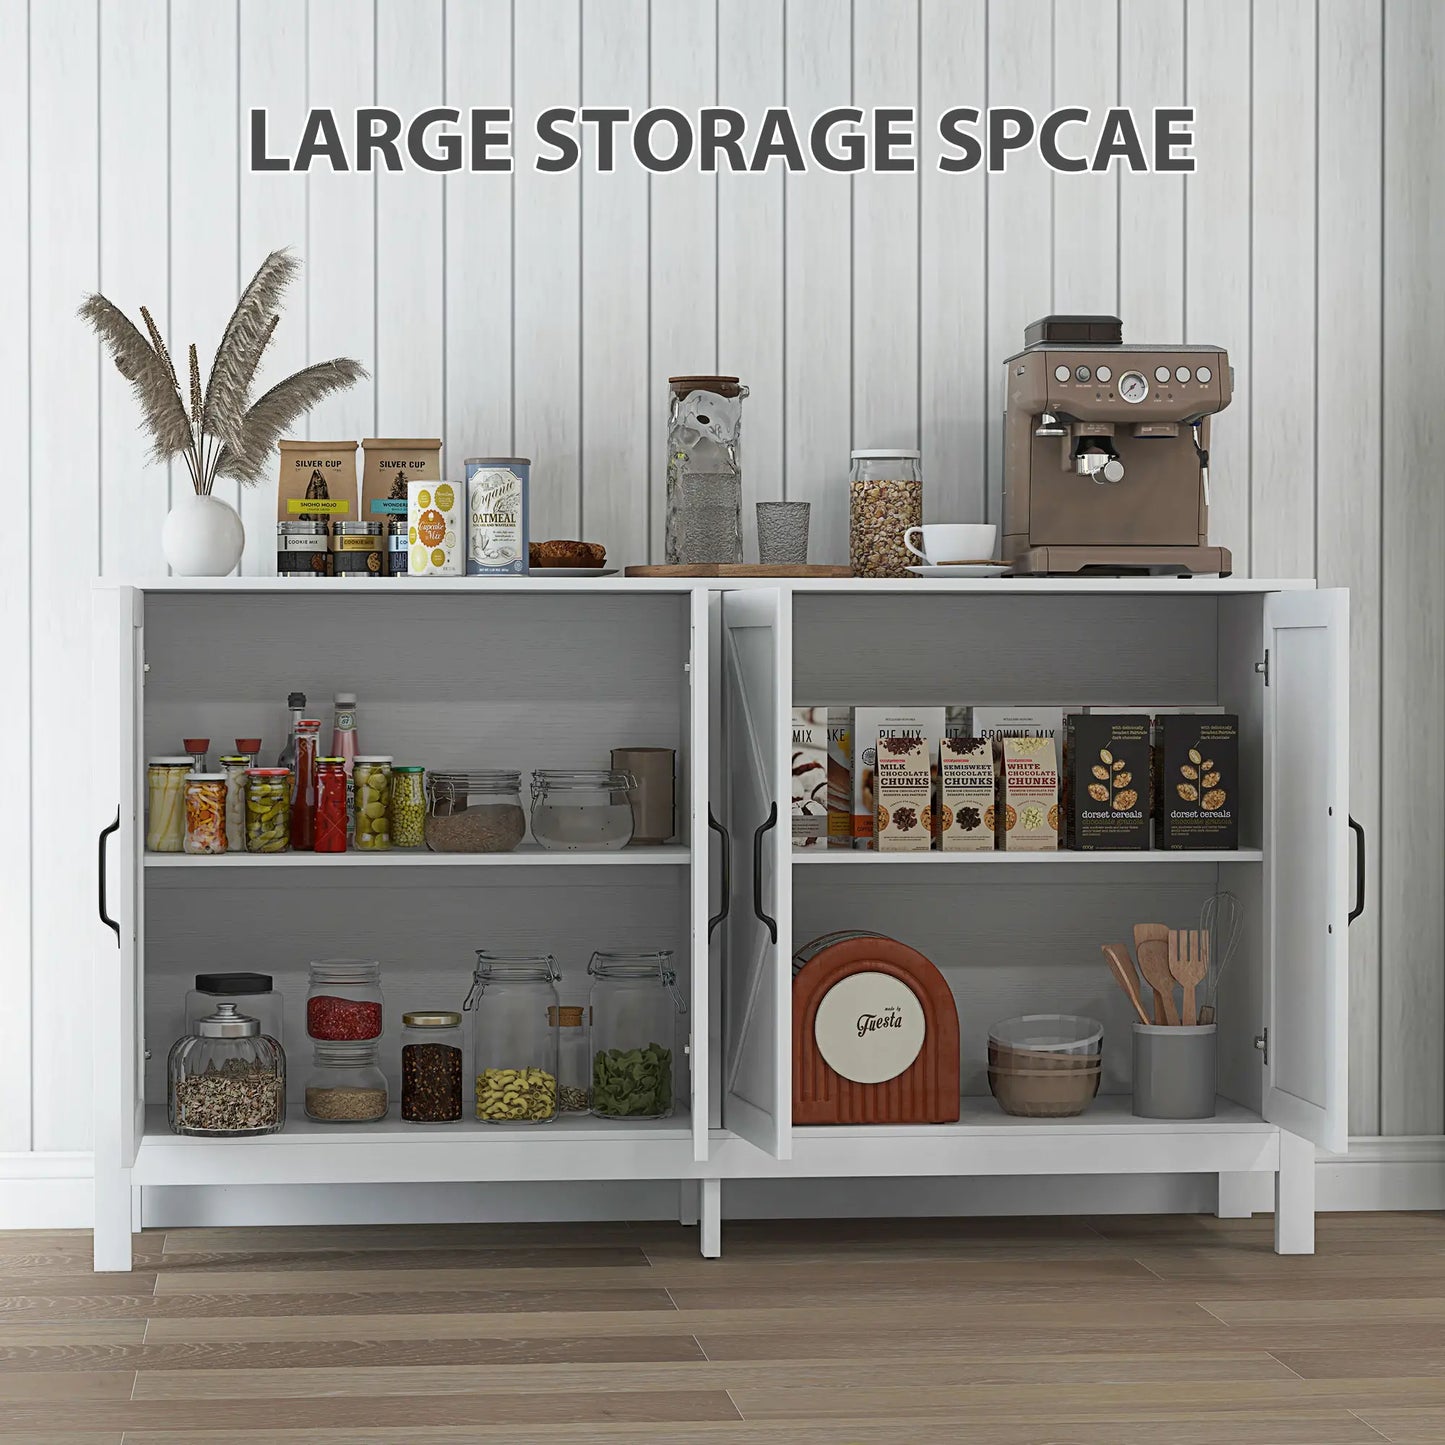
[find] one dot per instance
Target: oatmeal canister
(885, 498)
(497, 515)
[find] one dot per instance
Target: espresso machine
(1106, 452)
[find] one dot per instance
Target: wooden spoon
(1189, 965)
(1151, 943)
(1122, 967)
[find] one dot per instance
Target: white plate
(573, 572)
(963, 569)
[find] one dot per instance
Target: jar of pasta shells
(885, 498)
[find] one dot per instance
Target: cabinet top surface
(432, 586)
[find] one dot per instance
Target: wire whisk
(1222, 918)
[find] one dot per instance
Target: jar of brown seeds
(431, 1067)
(885, 499)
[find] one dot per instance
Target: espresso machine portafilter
(1106, 451)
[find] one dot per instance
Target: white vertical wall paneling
(885, 236)
(1217, 256)
(479, 245)
(546, 346)
(206, 269)
(341, 224)
(410, 242)
(273, 215)
(683, 247)
(1151, 206)
(1020, 206)
(750, 255)
(1282, 421)
(957, 375)
(1348, 483)
(1412, 682)
(64, 453)
(616, 398)
(15, 581)
(1086, 204)
(134, 270)
(818, 381)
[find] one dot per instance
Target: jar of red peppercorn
(344, 1000)
(331, 811)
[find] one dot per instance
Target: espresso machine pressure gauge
(1132, 387)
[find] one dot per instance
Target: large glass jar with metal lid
(251, 993)
(431, 1066)
(582, 808)
(513, 1004)
(346, 1084)
(474, 812)
(704, 469)
(885, 498)
(633, 1037)
(344, 1003)
(226, 1078)
(166, 803)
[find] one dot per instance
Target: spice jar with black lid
(226, 1078)
(431, 1067)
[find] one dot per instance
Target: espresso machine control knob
(1112, 471)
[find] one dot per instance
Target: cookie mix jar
(635, 1007)
(513, 1004)
(704, 469)
(885, 498)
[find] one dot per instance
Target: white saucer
(963, 569)
(573, 572)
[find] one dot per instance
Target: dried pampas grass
(225, 434)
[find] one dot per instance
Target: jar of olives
(268, 810)
(408, 807)
(371, 780)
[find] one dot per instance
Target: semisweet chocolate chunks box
(1108, 788)
(1197, 790)
(966, 799)
(810, 777)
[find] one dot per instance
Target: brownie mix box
(1108, 781)
(1197, 790)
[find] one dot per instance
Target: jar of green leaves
(633, 1035)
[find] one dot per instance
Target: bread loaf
(567, 554)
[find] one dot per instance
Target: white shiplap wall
(543, 313)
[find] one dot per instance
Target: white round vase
(202, 536)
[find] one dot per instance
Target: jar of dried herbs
(632, 1039)
(227, 1078)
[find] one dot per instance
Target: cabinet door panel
(700, 837)
(757, 998)
(1306, 808)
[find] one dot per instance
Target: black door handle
(769, 822)
(727, 873)
(1359, 907)
(105, 917)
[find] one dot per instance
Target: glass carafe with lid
(635, 1007)
(513, 1003)
(704, 469)
(226, 1078)
(582, 809)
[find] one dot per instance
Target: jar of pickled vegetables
(234, 765)
(268, 810)
(330, 831)
(408, 807)
(166, 804)
(205, 813)
(372, 777)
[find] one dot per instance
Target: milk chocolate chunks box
(1198, 785)
(1108, 781)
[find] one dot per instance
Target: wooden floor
(1181, 1330)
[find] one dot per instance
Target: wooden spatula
(1151, 943)
(1189, 966)
(1122, 967)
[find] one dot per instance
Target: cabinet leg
(710, 1210)
(112, 1220)
(687, 1201)
(1234, 1196)
(1294, 1196)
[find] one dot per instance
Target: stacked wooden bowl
(1045, 1066)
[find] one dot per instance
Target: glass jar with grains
(513, 1004)
(885, 498)
(346, 1085)
(474, 812)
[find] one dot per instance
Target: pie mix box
(1198, 781)
(1026, 813)
(870, 724)
(840, 777)
(810, 777)
(905, 794)
(966, 784)
(1108, 781)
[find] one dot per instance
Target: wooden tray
(740, 569)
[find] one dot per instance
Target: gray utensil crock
(1174, 1071)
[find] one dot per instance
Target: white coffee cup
(945, 542)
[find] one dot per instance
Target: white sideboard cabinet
(537, 672)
